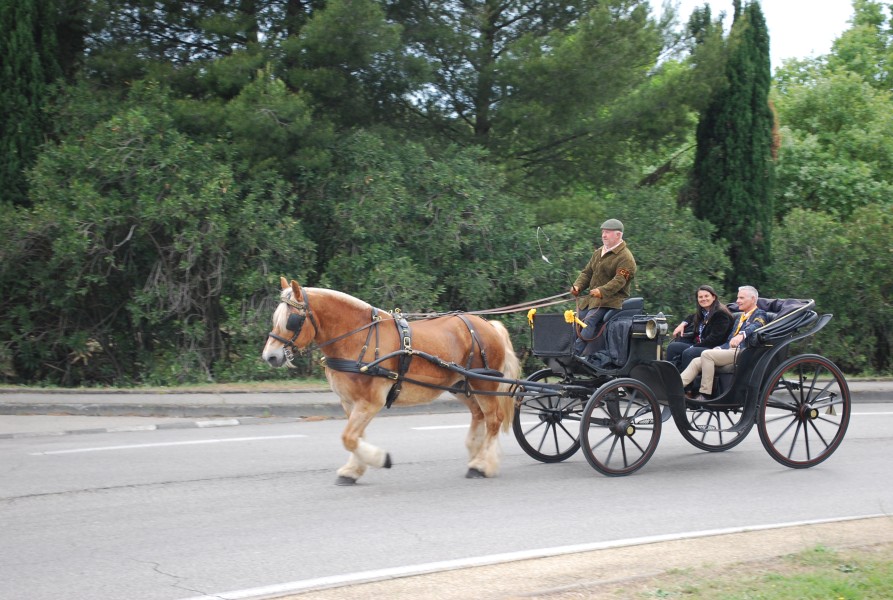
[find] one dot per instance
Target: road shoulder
(609, 567)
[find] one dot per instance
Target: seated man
(607, 275)
(752, 318)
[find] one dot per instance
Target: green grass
(817, 574)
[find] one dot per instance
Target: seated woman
(710, 323)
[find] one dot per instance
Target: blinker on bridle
(294, 323)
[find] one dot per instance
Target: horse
(460, 353)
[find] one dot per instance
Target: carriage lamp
(656, 326)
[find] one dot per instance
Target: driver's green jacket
(612, 274)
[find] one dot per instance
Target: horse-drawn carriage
(611, 404)
(613, 409)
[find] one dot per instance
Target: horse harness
(404, 357)
(295, 323)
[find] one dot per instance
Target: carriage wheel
(620, 427)
(804, 411)
(714, 428)
(546, 423)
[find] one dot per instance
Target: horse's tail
(511, 369)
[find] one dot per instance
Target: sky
(797, 28)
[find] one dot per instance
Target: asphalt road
(247, 509)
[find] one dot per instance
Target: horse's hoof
(475, 474)
(387, 461)
(344, 480)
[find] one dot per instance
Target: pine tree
(733, 172)
(28, 51)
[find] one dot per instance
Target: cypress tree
(733, 172)
(28, 51)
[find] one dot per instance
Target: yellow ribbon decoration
(571, 317)
(530, 314)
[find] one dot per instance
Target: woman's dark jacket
(716, 330)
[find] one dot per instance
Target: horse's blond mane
(280, 315)
(342, 296)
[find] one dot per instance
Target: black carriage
(612, 403)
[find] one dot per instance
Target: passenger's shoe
(702, 398)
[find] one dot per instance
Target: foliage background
(165, 162)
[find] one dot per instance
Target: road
(171, 514)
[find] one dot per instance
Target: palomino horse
(374, 358)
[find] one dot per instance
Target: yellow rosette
(571, 317)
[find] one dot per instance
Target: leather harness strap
(376, 319)
(404, 357)
(474, 340)
(405, 335)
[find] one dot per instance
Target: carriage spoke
(709, 428)
(797, 430)
(545, 434)
(597, 445)
(818, 433)
(614, 440)
(635, 443)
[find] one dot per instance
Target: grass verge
(863, 573)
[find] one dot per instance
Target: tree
(845, 267)
(561, 93)
(28, 50)
(421, 229)
(836, 113)
(866, 47)
(733, 173)
(351, 60)
(837, 145)
(150, 263)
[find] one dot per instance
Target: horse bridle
(295, 323)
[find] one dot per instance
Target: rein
(502, 310)
(295, 324)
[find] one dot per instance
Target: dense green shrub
(144, 259)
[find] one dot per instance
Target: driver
(607, 275)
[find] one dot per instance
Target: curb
(161, 426)
(113, 409)
(216, 411)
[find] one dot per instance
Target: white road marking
(320, 583)
(164, 444)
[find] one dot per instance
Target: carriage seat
(774, 307)
(554, 337)
(637, 304)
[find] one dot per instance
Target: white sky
(797, 28)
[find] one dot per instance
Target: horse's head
(289, 332)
